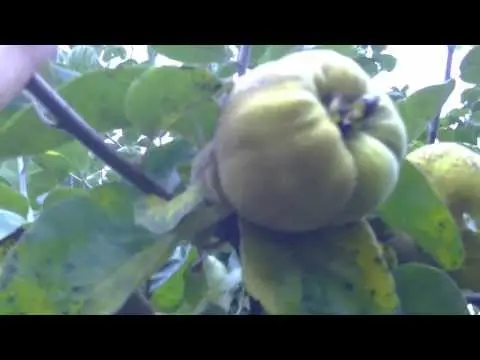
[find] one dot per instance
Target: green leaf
(161, 216)
(175, 99)
(416, 209)
(471, 95)
(377, 49)
(98, 96)
(9, 171)
(446, 135)
(13, 200)
(193, 54)
(19, 102)
(113, 51)
(54, 162)
(470, 66)
(161, 163)
(227, 70)
(9, 222)
(387, 61)
(257, 52)
(62, 193)
(170, 295)
(72, 157)
(466, 133)
(4, 181)
(56, 74)
(83, 58)
(42, 181)
(454, 116)
(195, 289)
(423, 105)
(425, 290)
(475, 106)
(475, 119)
(367, 64)
(81, 256)
(128, 63)
(77, 155)
(117, 197)
(346, 50)
(338, 271)
(132, 136)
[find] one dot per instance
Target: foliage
(78, 239)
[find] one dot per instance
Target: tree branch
(433, 126)
(70, 121)
(243, 59)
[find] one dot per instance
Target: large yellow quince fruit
(339, 270)
(454, 172)
(306, 141)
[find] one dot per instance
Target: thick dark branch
(70, 121)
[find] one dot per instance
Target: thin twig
(433, 126)
(83, 181)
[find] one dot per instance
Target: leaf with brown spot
(83, 255)
(331, 271)
(416, 209)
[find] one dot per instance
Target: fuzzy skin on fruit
(284, 161)
(204, 172)
(454, 172)
(338, 270)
